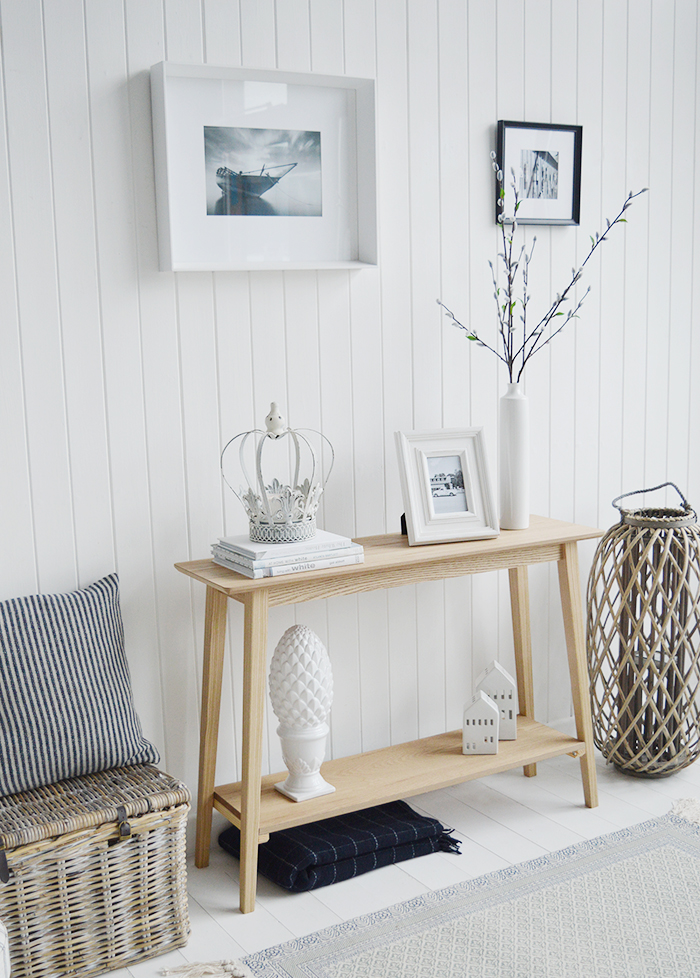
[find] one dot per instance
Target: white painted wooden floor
(501, 820)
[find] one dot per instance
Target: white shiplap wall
(119, 383)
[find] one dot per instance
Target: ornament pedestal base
(323, 789)
(303, 752)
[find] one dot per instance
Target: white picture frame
(438, 509)
(220, 130)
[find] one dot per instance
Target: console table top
(390, 561)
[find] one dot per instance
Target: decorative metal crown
(279, 511)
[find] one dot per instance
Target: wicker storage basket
(93, 872)
(644, 640)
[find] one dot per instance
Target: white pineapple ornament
(301, 691)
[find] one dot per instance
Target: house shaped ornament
(497, 683)
(480, 722)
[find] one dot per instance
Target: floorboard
(501, 820)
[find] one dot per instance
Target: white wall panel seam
(61, 339)
(22, 384)
(409, 175)
(98, 267)
(147, 436)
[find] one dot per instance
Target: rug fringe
(687, 808)
(215, 969)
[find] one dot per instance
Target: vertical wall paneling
(587, 331)
(120, 384)
(587, 418)
(184, 35)
(563, 38)
(487, 376)
(635, 241)
(685, 97)
(454, 203)
(426, 325)
(78, 298)
(368, 370)
(693, 470)
(424, 210)
(337, 424)
(293, 35)
(537, 88)
(660, 247)
(36, 273)
(610, 257)
(18, 575)
(359, 30)
(222, 32)
(163, 410)
(327, 42)
(258, 36)
(394, 236)
(121, 336)
(236, 414)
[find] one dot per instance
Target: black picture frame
(546, 160)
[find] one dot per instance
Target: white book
(297, 568)
(323, 540)
(238, 558)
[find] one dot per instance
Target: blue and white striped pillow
(65, 692)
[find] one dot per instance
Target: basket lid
(86, 801)
(657, 518)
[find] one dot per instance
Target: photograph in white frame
(445, 483)
(263, 169)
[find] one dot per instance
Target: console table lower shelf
(401, 771)
(405, 770)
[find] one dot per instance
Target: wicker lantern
(644, 640)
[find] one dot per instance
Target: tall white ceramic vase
(514, 459)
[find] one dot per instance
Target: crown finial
(276, 425)
(281, 510)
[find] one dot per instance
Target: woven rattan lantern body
(644, 641)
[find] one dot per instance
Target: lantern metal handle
(636, 492)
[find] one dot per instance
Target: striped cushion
(65, 692)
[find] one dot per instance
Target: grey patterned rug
(625, 905)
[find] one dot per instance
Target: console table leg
(214, 638)
(570, 588)
(520, 613)
(254, 675)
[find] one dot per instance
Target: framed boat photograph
(545, 162)
(445, 484)
(263, 169)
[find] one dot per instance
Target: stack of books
(256, 560)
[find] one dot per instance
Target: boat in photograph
(252, 183)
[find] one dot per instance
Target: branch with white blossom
(533, 340)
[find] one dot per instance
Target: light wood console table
(403, 770)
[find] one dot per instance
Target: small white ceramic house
(503, 690)
(480, 725)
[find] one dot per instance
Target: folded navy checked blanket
(334, 849)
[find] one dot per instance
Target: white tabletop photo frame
(447, 492)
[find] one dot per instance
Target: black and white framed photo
(263, 169)
(546, 161)
(445, 483)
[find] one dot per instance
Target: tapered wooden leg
(214, 638)
(520, 613)
(254, 675)
(570, 588)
